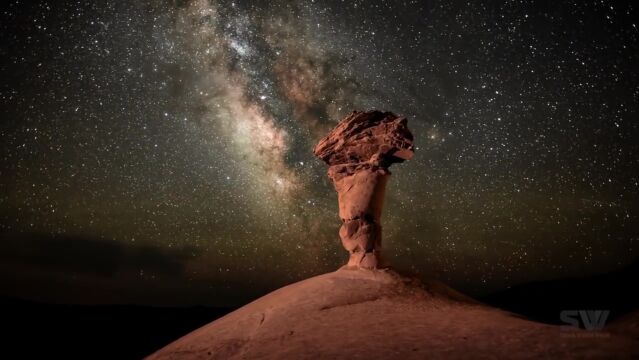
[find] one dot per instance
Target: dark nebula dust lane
(161, 151)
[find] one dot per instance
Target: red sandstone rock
(359, 151)
(379, 315)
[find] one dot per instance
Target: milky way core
(161, 151)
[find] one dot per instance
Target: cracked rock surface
(359, 151)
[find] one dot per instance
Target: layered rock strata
(359, 151)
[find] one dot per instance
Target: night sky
(160, 152)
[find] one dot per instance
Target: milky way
(161, 151)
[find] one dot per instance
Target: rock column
(359, 151)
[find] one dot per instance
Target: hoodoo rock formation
(363, 312)
(359, 151)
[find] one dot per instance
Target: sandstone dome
(378, 314)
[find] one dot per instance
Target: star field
(161, 151)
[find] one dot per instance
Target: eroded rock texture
(359, 152)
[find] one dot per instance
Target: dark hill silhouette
(544, 300)
(34, 329)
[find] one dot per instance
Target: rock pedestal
(359, 151)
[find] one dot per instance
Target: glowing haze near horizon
(160, 151)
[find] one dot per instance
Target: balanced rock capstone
(359, 151)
